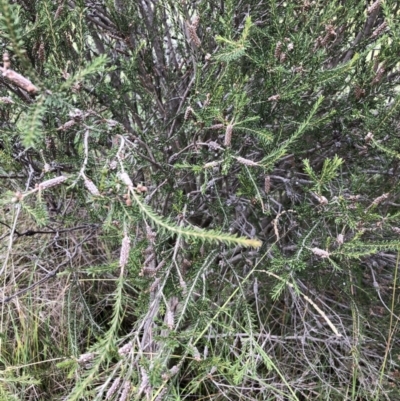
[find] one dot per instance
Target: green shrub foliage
(199, 199)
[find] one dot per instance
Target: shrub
(199, 199)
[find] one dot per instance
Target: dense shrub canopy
(200, 199)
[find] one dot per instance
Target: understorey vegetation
(199, 200)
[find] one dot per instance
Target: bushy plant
(200, 200)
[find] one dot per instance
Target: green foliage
(230, 220)
(38, 213)
(11, 25)
(328, 173)
(202, 235)
(280, 150)
(30, 124)
(235, 49)
(95, 66)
